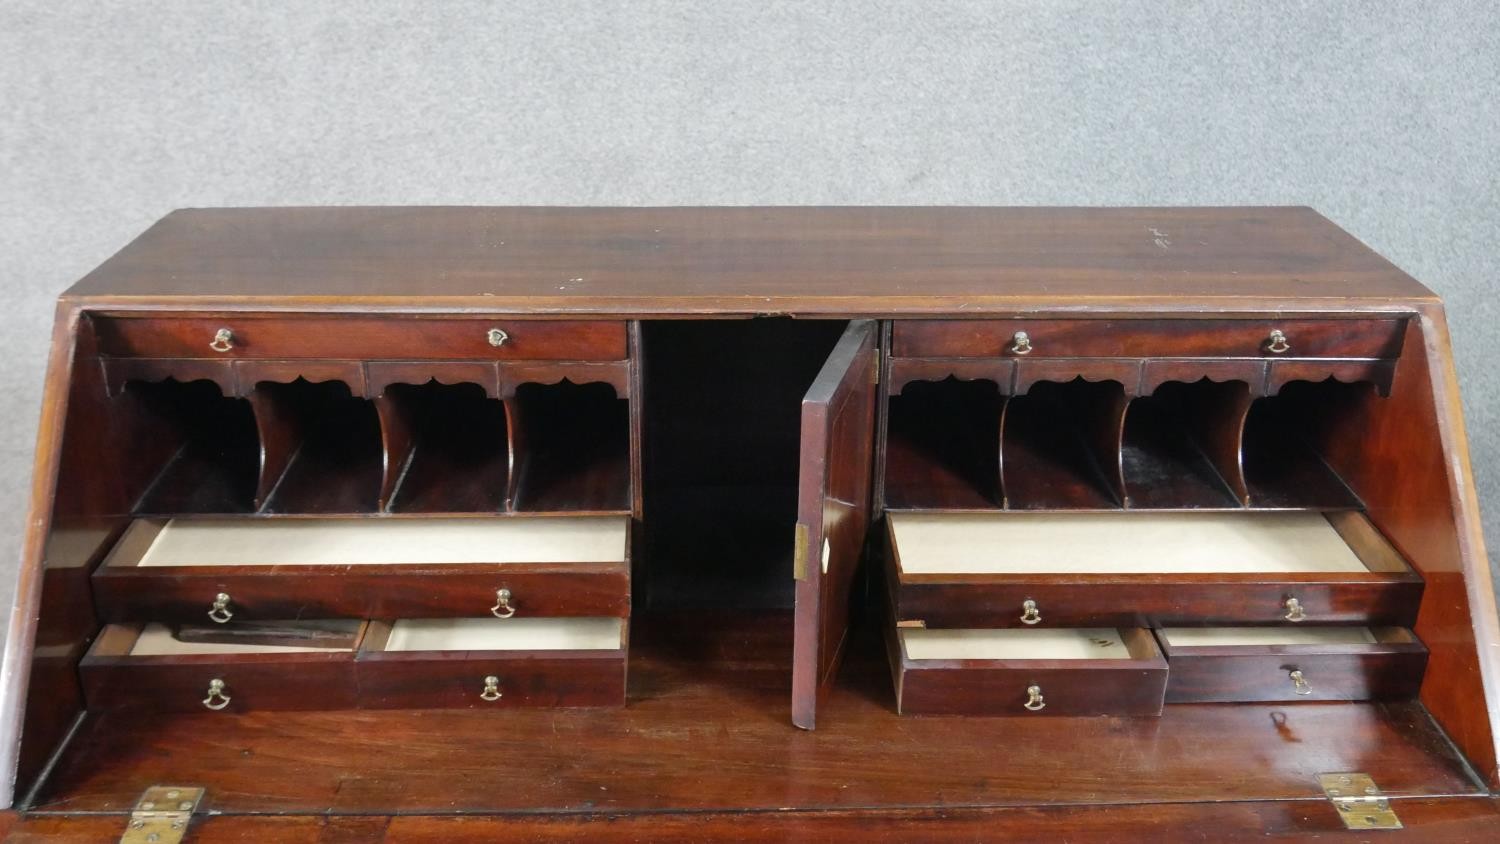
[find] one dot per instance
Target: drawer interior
(1140, 543)
(160, 640)
(1071, 643)
(1258, 637)
(489, 634)
(317, 542)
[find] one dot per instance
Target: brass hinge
(875, 368)
(799, 553)
(162, 815)
(1359, 801)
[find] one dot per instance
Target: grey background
(1382, 115)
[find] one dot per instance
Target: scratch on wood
(1160, 237)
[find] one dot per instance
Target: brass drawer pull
(491, 688)
(1276, 344)
(220, 611)
(216, 699)
(1020, 344)
(1034, 701)
(1029, 612)
(1299, 683)
(223, 340)
(1294, 611)
(497, 337)
(503, 608)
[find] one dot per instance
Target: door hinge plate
(875, 368)
(1359, 801)
(799, 553)
(162, 815)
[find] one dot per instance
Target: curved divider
(1060, 446)
(1181, 446)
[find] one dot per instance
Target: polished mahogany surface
(747, 260)
(706, 729)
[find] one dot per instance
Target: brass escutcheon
(491, 688)
(503, 608)
(216, 699)
(1034, 700)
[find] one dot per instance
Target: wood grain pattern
(1454, 819)
(833, 512)
(1388, 670)
(752, 260)
(705, 730)
(359, 337)
(1139, 338)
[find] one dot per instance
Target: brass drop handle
(1299, 683)
(220, 611)
(1294, 611)
(1034, 701)
(491, 688)
(1020, 344)
(1029, 612)
(497, 337)
(216, 699)
(503, 608)
(223, 340)
(1276, 344)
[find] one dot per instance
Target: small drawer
(1240, 664)
(1145, 569)
(393, 337)
(148, 668)
(1148, 338)
(224, 570)
(1027, 672)
(488, 663)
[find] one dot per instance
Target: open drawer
(147, 667)
(1139, 569)
(1027, 672)
(485, 662)
(1233, 664)
(225, 569)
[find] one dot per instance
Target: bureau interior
(722, 435)
(1088, 445)
(303, 448)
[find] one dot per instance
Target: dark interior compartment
(1180, 448)
(572, 448)
(721, 457)
(447, 447)
(1060, 445)
(943, 446)
(322, 450)
(205, 444)
(1283, 442)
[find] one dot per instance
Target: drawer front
(398, 337)
(1145, 338)
(457, 680)
(964, 690)
(189, 593)
(1253, 677)
(1156, 600)
(250, 682)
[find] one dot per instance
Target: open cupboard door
(833, 511)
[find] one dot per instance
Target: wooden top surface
(834, 261)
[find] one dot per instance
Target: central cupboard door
(833, 511)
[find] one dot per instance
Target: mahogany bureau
(559, 523)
